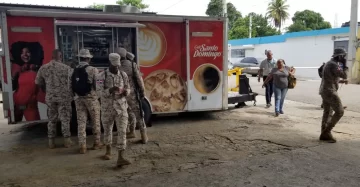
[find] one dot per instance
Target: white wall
(309, 51)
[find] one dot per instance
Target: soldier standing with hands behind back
(114, 107)
(328, 90)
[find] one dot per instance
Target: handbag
(291, 82)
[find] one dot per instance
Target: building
(306, 50)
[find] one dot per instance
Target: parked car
(249, 62)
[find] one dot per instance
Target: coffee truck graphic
(183, 59)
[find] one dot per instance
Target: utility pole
(353, 40)
(250, 25)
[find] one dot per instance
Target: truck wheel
(147, 113)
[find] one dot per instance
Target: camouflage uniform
(55, 76)
(114, 107)
(88, 104)
(331, 100)
(134, 108)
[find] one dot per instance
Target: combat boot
(122, 161)
(327, 137)
(83, 149)
(51, 143)
(97, 145)
(107, 155)
(144, 137)
(131, 134)
(67, 142)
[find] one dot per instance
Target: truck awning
(92, 15)
(53, 13)
(98, 24)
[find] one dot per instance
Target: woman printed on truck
(280, 75)
(26, 59)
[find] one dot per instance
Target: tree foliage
(260, 27)
(308, 20)
(277, 11)
(96, 6)
(215, 9)
(137, 3)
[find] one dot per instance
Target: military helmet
(339, 52)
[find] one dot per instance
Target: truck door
(205, 48)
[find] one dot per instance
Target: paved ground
(238, 147)
(307, 92)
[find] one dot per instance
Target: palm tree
(277, 11)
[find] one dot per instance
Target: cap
(114, 59)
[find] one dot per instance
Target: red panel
(172, 48)
(161, 53)
(206, 49)
(28, 51)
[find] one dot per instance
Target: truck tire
(147, 112)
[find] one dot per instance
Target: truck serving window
(101, 41)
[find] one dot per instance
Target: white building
(307, 49)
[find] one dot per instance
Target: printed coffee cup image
(166, 91)
(152, 45)
(206, 78)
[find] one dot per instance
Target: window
(237, 53)
(101, 41)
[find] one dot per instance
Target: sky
(334, 11)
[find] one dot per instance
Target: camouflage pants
(83, 108)
(331, 102)
(135, 118)
(59, 111)
(108, 118)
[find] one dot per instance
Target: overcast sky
(328, 8)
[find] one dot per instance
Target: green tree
(96, 6)
(260, 27)
(308, 20)
(137, 3)
(215, 9)
(277, 11)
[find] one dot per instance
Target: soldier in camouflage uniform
(328, 91)
(135, 117)
(55, 79)
(115, 88)
(88, 104)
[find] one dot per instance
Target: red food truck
(183, 59)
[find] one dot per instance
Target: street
(237, 147)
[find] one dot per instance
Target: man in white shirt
(265, 68)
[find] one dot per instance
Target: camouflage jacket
(106, 80)
(127, 67)
(331, 75)
(56, 77)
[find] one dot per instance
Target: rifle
(137, 88)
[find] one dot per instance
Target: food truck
(183, 59)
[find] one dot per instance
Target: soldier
(328, 91)
(54, 79)
(114, 107)
(86, 99)
(134, 100)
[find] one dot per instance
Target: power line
(172, 6)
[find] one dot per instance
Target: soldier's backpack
(80, 84)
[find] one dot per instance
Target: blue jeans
(268, 90)
(280, 94)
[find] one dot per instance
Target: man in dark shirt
(328, 90)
